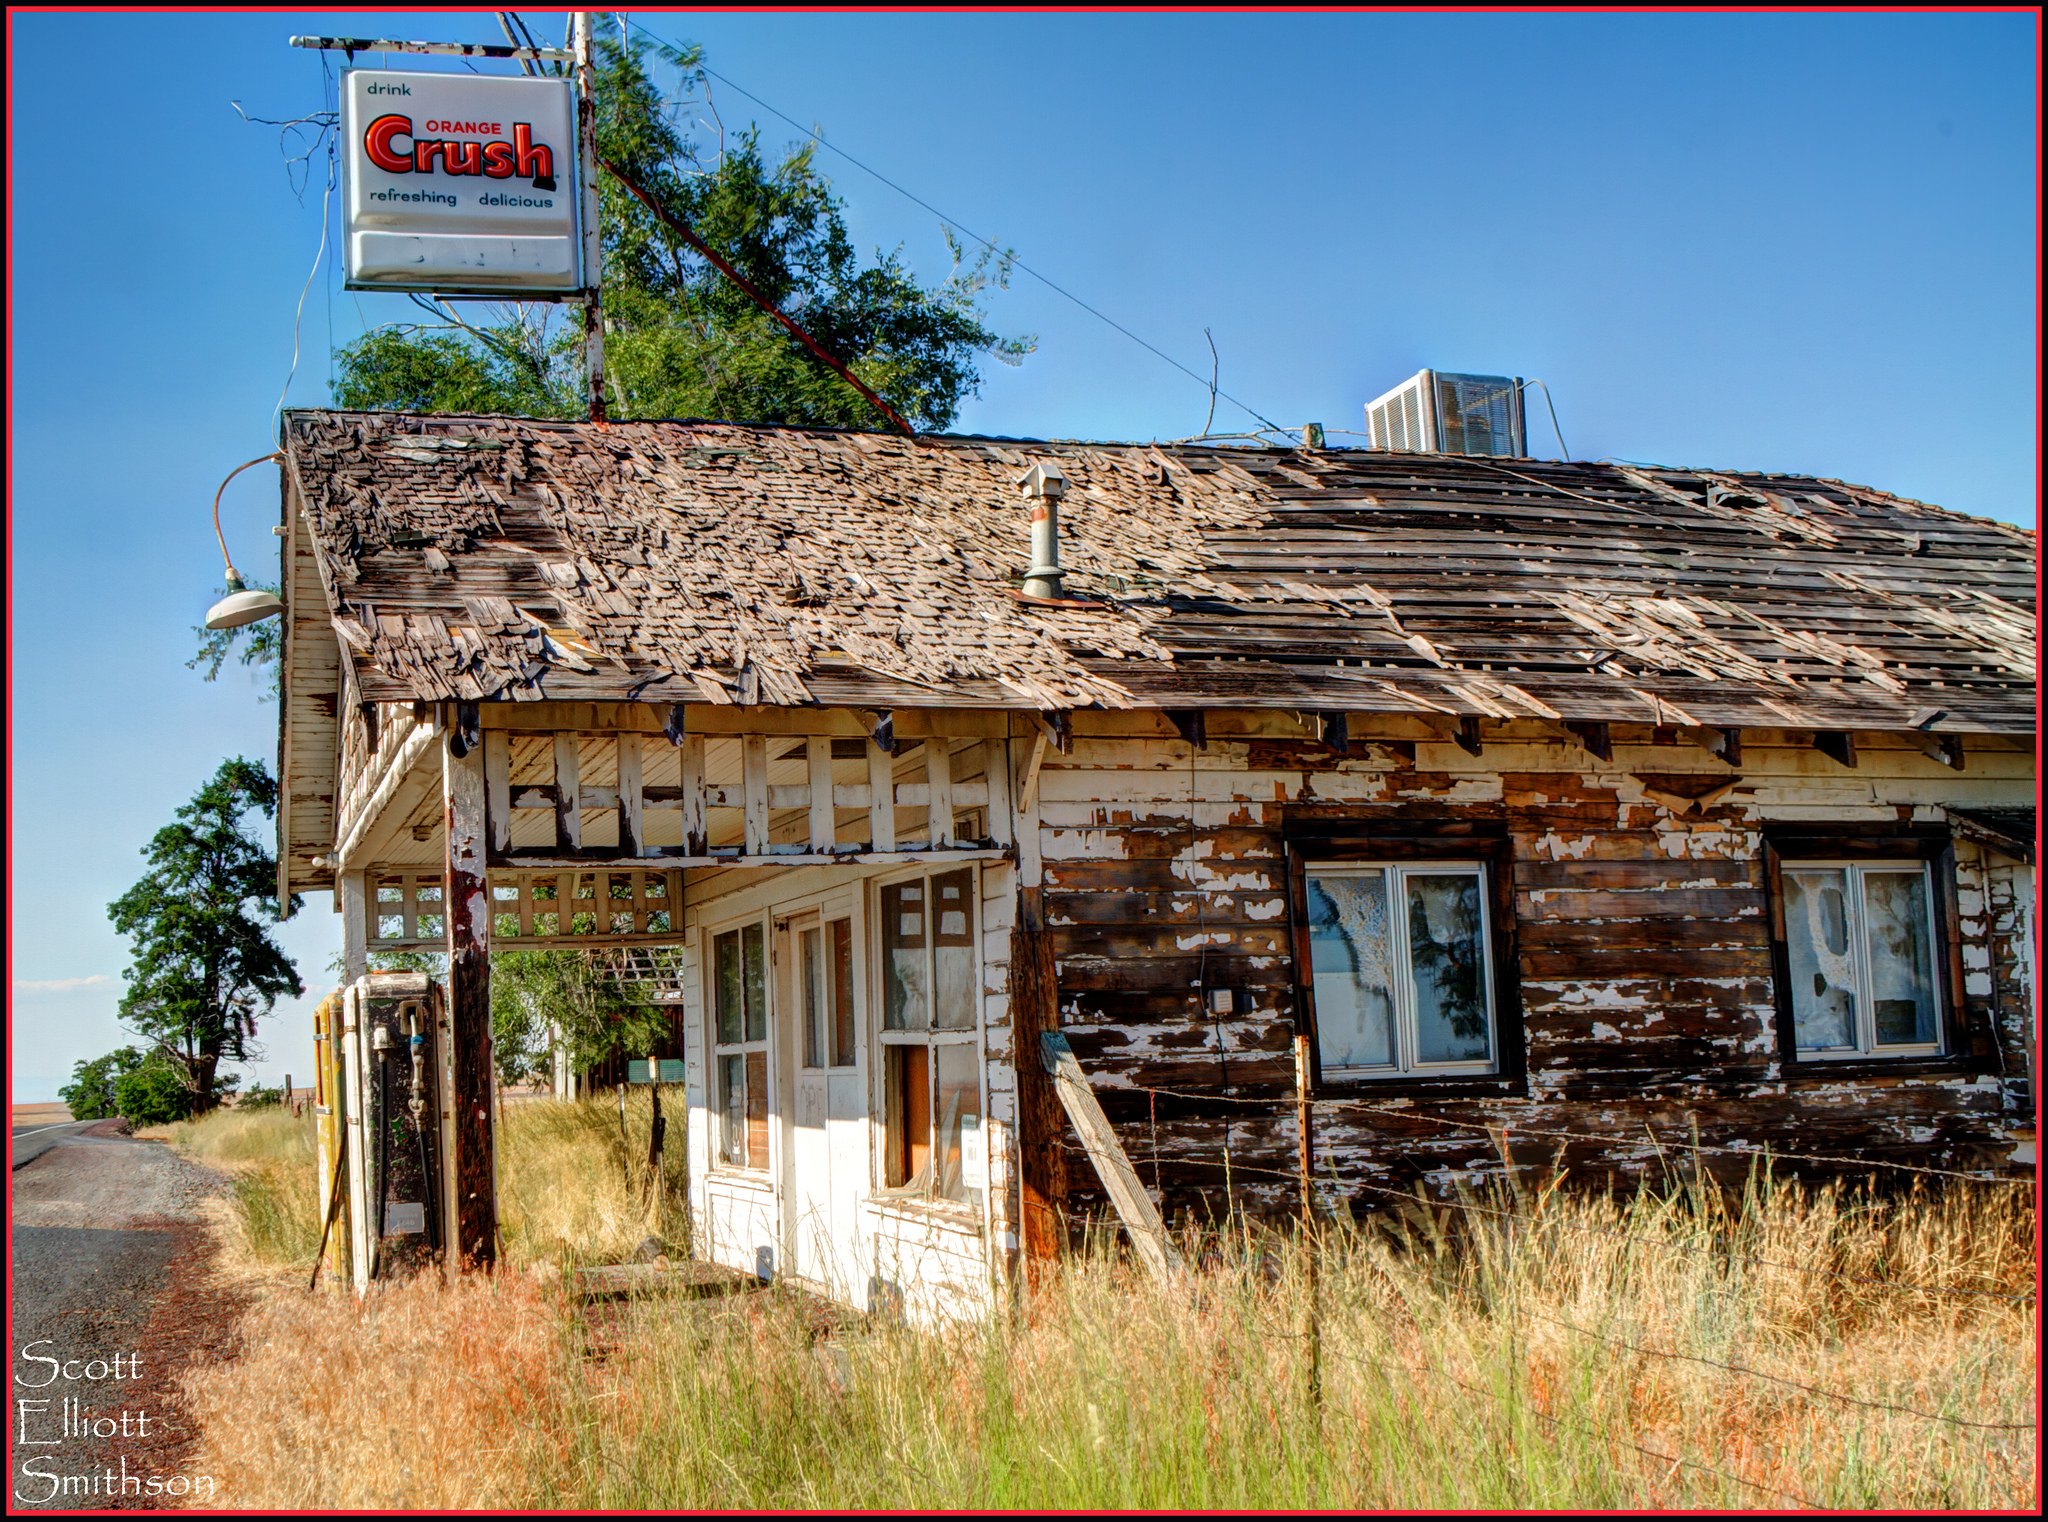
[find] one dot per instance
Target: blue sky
(1788, 242)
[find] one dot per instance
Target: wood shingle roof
(500, 558)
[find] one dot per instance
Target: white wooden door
(826, 1135)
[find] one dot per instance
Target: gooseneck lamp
(240, 606)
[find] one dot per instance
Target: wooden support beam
(1042, 1162)
(754, 786)
(695, 841)
(568, 797)
(1466, 736)
(1192, 724)
(1947, 749)
(995, 767)
(466, 917)
(631, 832)
(1029, 765)
(881, 728)
(1593, 736)
(938, 777)
(1119, 1180)
(675, 724)
(818, 754)
(1838, 745)
(1334, 730)
(881, 798)
(498, 790)
(565, 902)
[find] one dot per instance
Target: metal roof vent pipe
(1044, 485)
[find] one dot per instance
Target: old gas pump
(388, 1072)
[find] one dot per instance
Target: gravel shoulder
(113, 1298)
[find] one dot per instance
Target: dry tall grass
(571, 1183)
(417, 1398)
(1554, 1352)
(1797, 1347)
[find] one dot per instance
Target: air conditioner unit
(1435, 412)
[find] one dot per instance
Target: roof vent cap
(1043, 479)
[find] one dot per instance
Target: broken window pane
(953, 949)
(1447, 959)
(959, 1115)
(1818, 948)
(1901, 957)
(1354, 986)
(906, 1003)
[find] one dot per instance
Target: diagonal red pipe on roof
(682, 230)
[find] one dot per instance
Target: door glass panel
(730, 998)
(1901, 957)
(757, 1110)
(843, 1031)
(1822, 964)
(959, 1112)
(1447, 959)
(953, 949)
(755, 970)
(812, 954)
(906, 1003)
(732, 1093)
(1348, 957)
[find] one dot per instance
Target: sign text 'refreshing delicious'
(460, 182)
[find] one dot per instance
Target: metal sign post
(593, 239)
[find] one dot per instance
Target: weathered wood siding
(1642, 954)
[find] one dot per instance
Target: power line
(954, 222)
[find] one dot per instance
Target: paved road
(104, 1240)
(30, 1143)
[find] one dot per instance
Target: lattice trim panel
(608, 907)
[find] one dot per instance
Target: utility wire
(954, 222)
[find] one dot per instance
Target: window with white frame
(1401, 968)
(739, 1052)
(930, 1072)
(1862, 980)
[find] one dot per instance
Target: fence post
(1309, 1243)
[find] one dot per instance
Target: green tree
(153, 1095)
(681, 340)
(544, 1001)
(205, 967)
(90, 1094)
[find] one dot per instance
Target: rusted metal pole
(593, 232)
(467, 897)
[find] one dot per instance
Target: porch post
(351, 894)
(466, 894)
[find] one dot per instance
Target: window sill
(1858, 1068)
(1475, 1085)
(756, 1179)
(959, 1217)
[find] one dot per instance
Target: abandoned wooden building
(1572, 813)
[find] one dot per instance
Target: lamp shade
(243, 607)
